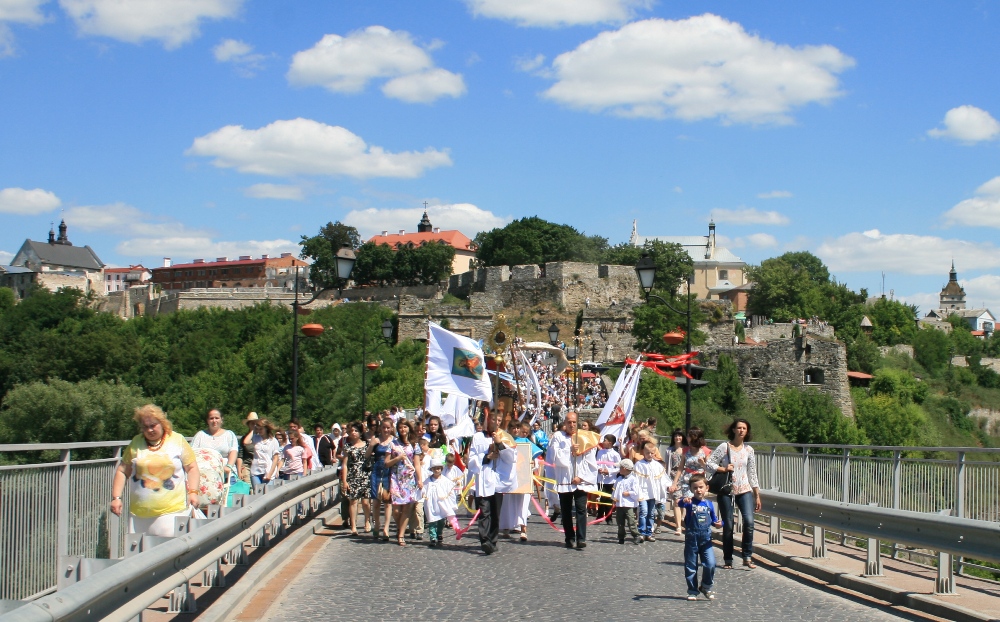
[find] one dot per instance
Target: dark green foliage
(533, 240)
(66, 412)
(932, 349)
(899, 385)
(323, 248)
(7, 299)
(653, 319)
(661, 398)
(374, 265)
(808, 416)
(724, 386)
(862, 354)
(673, 264)
(886, 421)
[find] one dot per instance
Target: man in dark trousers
(575, 471)
(492, 462)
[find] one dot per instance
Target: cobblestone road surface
(358, 579)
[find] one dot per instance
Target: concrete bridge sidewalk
(360, 579)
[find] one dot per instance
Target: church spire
(62, 234)
(425, 223)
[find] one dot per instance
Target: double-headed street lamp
(344, 260)
(646, 271)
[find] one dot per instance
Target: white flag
(621, 417)
(464, 427)
(456, 364)
(623, 381)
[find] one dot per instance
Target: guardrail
(947, 535)
(125, 589)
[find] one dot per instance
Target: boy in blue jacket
(699, 521)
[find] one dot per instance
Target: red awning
(588, 374)
(859, 375)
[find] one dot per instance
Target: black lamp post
(646, 271)
(553, 334)
(344, 259)
(387, 337)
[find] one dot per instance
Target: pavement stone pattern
(360, 579)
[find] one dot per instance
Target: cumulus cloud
(348, 64)
(27, 202)
(171, 22)
(307, 147)
(983, 210)
(22, 11)
(275, 191)
(239, 54)
(148, 235)
(698, 68)
(530, 65)
(749, 216)
(775, 194)
(5, 258)
(762, 240)
(904, 253)
(984, 288)
(465, 217)
(554, 13)
(967, 124)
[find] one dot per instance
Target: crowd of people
(406, 474)
(561, 392)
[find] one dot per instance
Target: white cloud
(148, 235)
(172, 22)
(22, 11)
(275, 191)
(967, 124)
(749, 216)
(27, 202)
(529, 65)
(307, 147)
(775, 194)
(348, 64)
(762, 240)
(5, 258)
(984, 288)
(702, 67)
(553, 13)
(464, 217)
(904, 253)
(239, 54)
(983, 210)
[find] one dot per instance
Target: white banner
(621, 415)
(456, 364)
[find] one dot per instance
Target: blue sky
(866, 133)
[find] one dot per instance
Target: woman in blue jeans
(737, 457)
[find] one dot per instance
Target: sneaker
(637, 540)
(432, 544)
(651, 538)
(648, 538)
(692, 597)
(418, 536)
(709, 594)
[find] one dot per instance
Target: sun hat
(627, 464)
(437, 461)
(251, 417)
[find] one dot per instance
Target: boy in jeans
(699, 521)
(626, 496)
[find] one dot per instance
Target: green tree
(932, 349)
(659, 397)
(532, 240)
(886, 421)
(7, 299)
(808, 416)
(900, 385)
(433, 261)
(323, 248)
(654, 319)
(65, 412)
(374, 265)
(862, 354)
(724, 385)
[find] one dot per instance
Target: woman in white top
(266, 453)
(222, 441)
(737, 457)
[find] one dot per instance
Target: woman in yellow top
(162, 474)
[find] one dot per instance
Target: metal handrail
(124, 590)
(61, 446)
(984, 450)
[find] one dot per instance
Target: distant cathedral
(952, 294)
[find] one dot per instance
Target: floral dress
(403, 481)
(358, 477)
(692, 465)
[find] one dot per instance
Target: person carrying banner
(575, 473)
(492, 462)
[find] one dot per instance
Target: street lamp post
(387, 337)
(344, 259)
(646, 271)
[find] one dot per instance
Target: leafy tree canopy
(808, 416)
(532, 240)
(322, 250)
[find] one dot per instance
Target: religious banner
(523, 468)
(456, 364)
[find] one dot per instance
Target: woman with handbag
(737, 458)
(355, 477)
(380, 449)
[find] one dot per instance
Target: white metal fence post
(62, 505)
(805, 471)
(114, 521)
(845, 492)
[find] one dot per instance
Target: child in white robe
(439, 503)
(653, 483)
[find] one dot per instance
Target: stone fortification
(785, 330)
(567, 285)
(473, 320)
(802, 362)
(224, 298)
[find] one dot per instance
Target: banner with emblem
(456, 364)
(617, 413)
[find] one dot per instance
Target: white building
(120, 279)
(57, 263)
(716, 269)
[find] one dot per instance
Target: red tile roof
(859, 375)
(454, 238)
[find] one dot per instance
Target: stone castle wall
(804, 362)
(785, 330)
